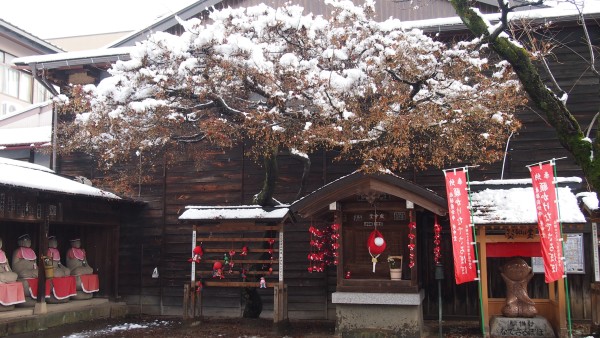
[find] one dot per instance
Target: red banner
(465, 269)
(546, 206)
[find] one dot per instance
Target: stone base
(378, 315)
(82, 295)
(520, 327)
(6, 308)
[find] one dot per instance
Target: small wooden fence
(253, 251)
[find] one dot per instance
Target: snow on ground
(125, 327)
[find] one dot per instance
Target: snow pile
(124, 328)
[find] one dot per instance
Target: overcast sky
(60, 18)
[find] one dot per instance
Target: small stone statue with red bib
(76, 259)
(24, 261)
(59, 269)
(6, 274)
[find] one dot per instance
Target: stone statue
(53, 253)
(6, 274)
(76, 259)
(24, 260)
(516, 274)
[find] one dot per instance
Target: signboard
(595, 244)
(460, 224)
(574, 258)
(546, 207)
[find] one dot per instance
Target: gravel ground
(136, 327)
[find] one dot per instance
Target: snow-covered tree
(293, 82)
(530, 63)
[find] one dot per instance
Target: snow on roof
(34, 176)
(25, 136)
(557, 12)
(516, 205)
(589, 199)
(84, 54)
(240, 212)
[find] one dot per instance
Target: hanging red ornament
(218, 270)
(197, 253)
(244, 251)
(376, 245)
(411, 246)
(437, 241)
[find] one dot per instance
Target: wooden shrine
(366, 297)
(241, 247)
(506, 227)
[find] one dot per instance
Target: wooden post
(40, 305)
(186, 297)
(482, 240)
(276, 304)
(562, 309)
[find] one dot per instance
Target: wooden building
(159, 239)
(36, 201)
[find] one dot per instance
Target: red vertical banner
(465, 269)
(542, 177)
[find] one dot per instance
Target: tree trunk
(567, 127)
(265, 196)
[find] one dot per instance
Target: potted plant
(395, 263)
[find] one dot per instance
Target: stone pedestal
(378, 314)
(520, 327)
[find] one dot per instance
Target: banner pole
(568, 298)
(476, 255)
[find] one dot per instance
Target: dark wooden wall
(159, 239)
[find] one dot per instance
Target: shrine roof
(358, 181)
(33, 176)
(512, 201)
(238, 212)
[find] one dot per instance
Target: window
(15, 83)
(10, 81)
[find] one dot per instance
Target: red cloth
(90, 283)
(76, 253)
(527, 249)
(63, 287)
(3, 257)
(33, 287)
(26, 253)
(54, 253)
(11, 293)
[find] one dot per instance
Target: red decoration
(218, 270)
(437, 241)
(546, 207)
(244, 251)
(323, 247)
(460, 224)
(411, 246)
(196, 254)
(376, 245)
